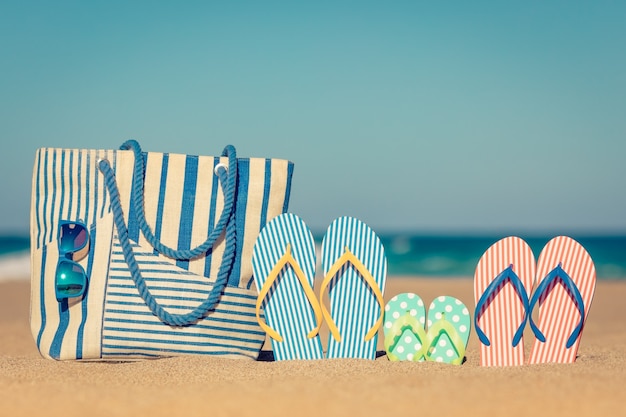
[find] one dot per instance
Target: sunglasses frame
(65, 257)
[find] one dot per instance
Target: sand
(202, 386)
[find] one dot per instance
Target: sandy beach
(190, 386)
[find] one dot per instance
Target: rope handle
(222, 277)
(228, 183)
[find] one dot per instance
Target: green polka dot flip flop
(448, 330)
(405, 337)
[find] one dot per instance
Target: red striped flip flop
(564, 291)
(503, 279)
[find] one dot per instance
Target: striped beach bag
(143, 254)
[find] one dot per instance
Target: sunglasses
(70, 278)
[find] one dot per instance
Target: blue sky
(414, 116)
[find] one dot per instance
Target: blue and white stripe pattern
(67, 186)
(353, 306)
(130, 329)
(287, 309)
(183, 201)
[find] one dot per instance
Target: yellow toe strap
(288, 259)
(367, 276)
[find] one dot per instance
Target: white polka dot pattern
(453, 311)
(398, 306)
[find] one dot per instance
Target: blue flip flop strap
(509, 274)
(555, 274)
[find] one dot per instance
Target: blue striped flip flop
(355, 270)
(283, 261)
(449, 324)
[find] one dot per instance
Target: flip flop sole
(354, 308)
(558, 315)
(408, 343)
(287, 309)
(456, 313)
(503, 312)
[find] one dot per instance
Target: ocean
(457, 256)
(437, 255)
(14, 257)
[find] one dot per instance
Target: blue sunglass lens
(70, 279)
(73, 237)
